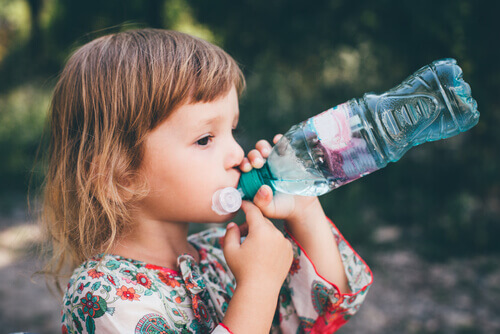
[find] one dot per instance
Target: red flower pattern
(203, 254)
(200, 310)
(169, 279)
(94, 273)
(111, 279)
(127, 293)
(143, 280)
(295, 266)
(91, 304)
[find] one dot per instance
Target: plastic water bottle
(361, 136)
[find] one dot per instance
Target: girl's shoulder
(117, 270)
(112, 289)
(106, 272)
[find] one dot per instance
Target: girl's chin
(216, 218)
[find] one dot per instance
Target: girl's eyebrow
(214, 119)
(209, 121)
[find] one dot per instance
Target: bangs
(185, 70)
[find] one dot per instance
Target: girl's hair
(111, 94)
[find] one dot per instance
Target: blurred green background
(441, 200)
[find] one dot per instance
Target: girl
(141, 138)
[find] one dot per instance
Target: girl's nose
(235, 155)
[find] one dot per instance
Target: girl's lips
(236, 183)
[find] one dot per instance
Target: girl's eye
(204, 141)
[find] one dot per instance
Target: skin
(187, 158)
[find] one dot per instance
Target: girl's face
(190, 156)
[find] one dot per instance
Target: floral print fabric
(111, 294)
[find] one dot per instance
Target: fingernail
(258, 162)
(230, 225)
(266, 151)
(262, 191)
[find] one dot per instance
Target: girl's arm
(312, 230)
(260, 264)
(251, 309)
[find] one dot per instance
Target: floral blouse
(112, 294)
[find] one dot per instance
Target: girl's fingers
(264, 198)
(232, 238)
(245, 165)
(264, 148)
(253, 215)
(256, 158)
(277, 138)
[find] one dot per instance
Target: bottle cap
(226, 200)
(251, 182)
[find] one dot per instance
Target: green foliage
(22, 118)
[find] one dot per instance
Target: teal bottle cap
(250, 183)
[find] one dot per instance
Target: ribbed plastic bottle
(362, 135)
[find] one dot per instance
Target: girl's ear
(127, 185)
(117, 181)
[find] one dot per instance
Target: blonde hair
(111, 94)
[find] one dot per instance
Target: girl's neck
(156, 242)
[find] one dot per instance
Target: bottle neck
(251, 182)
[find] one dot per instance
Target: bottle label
(343, 146)
(333, 128)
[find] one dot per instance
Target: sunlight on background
(349, 65)
(15, 24)
(180, 17)
(15, 240)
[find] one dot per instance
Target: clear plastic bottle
(363, 135)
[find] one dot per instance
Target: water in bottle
(363, 135)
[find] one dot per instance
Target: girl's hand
(263, 259)
(280, 206)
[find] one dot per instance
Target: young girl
(141, 137)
